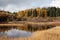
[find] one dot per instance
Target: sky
(16, 5)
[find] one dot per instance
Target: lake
(16, 33)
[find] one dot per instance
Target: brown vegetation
(6, 16)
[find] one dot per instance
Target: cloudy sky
(15, 5)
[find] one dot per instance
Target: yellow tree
(20, 13)
(38, 11)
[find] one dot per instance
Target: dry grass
(50, 34)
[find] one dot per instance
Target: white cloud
(55, 3)
(14, 5)
(1, 8)
(11, 8)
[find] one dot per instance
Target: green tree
(51, 12)
(35, 13)
(29, 13)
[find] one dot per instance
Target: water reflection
(15, 33)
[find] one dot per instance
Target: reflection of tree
(29, 27)
(35, 28)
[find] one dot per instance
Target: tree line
(33, 12)
(41, 12)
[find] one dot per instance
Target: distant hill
(6, 16)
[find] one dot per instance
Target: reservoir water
(15, 33)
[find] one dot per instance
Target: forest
(23, 15)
